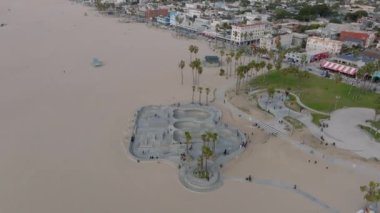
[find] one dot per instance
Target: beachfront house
(248, 34)
(323, 44)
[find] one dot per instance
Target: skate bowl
(191, 113)
(186, 125)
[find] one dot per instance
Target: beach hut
(376, 76)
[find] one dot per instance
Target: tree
(192, 98)
(221, 56)
(196, 65)
(207, 93)
(303, 59)
(251, 65)
(207, 154)
(269, 66)
(271, 92)
(191, 50)
(213, 136)
(196, 49)
(240, 72)
(229, 60)
(188, 141)
(356, 15)
(181, 65)
(200, 89)
(200, 71)
(337, 78)
(372, 192)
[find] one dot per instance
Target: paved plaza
(160, 134)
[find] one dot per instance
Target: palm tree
(240, 72)
(196, 65)
(251, 35)
(251, 65)
(207, 92)
(221, 56)
(181, 65)
(192, 98)
(303, 59)
(271, 92)
(196, 49)
(262, 65)
(207, 154)
(188, 141)
(191, 50)
(269, 66)
(200, 89)
(229, 60)
(213, 137)
(200, 71)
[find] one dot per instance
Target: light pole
(336, 101)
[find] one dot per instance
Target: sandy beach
(63, 123)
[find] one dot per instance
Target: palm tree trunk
(181, 76)
(206, 164)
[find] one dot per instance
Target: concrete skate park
(159, 133)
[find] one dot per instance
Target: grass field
(316, 118)
(375, 124)
(318, 93)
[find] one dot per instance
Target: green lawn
(317, 92)
(316, 118)
(371, 132)
(375, 124)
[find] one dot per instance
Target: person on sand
(295, 187)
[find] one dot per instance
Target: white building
(323, 44)
(266, 42)
(248, 33)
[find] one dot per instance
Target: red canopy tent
(339, 68)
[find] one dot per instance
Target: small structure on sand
(96, 62)
(212, 60)
(191, 136)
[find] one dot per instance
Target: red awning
(339, 68)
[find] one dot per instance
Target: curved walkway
(220, 98)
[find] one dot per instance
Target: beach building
(164, 20)
(352, 60)
(267, 42)
(152, 13)
(308, 57)
(323, 44)
(332, 30)
(289, 40)
(247, 34)
(357, 38)
(172, 18)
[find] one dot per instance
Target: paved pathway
(286, 186)
(361, 168)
